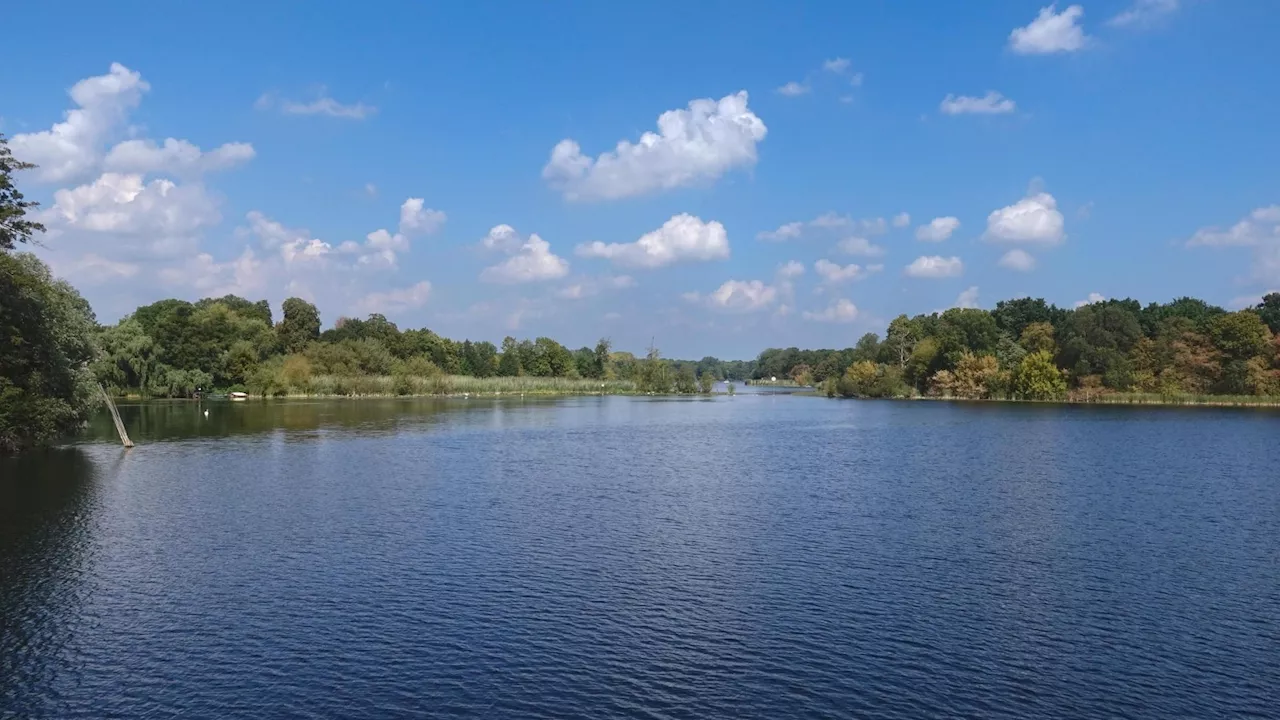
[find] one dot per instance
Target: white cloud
(174, 157)
(1260, 230)
(693, 145)
(1144, 12)
(860, 246)
(245, 275)
(793, 88)
(839, 311)
(743, 296)
(1093, 298)
(682, 238)
(791, 270)
(590, 287)
(789, 231)
(381, 246)
(935, 266)
(72, 149)
(1050, 32)
(392, 302)
(938, 229)
(162, 213)
(831, 221)
(1018, 259)
(901, 220)
(322, 105)
(416, 219)
(834, 273)
(1262, 225)
(371, 190)
(503, 238)
(993, 103)
(967, 299)
(837, 65)
(1034, 219)
(533, 261)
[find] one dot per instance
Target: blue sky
(1112, 148)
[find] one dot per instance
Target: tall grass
(388, 385)
(1183, 399)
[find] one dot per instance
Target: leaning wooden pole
(115, 415)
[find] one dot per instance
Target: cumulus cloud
(693, 145)
(1050, 32)
(839, 311)
(1144, 12)
(854, 245)
(321, 105)
(993, 103)
(246, 275)
(416, 219)
(834, 273)
(164, 216)
(1018, 259)
(743, 296)
(174, 157)
(1093, 298)
(1260, 226)
(73, 148)
(935, 266)
(793, 88)
(791, 270)
(902, 220)
(967, 299)
(938, 229)
(1259, 231)
(1034, 220)
(789, 231)
(683, 238)
(392, 302)
(531, 261)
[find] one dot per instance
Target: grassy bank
(444, 385)
(1152, 399)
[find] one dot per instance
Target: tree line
(174, 348)
(1029, 349)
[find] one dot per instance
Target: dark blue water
(747, 557)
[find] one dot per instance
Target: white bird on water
(206, 413)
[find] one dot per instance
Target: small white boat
(238, 395)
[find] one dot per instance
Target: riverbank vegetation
(1119, 351)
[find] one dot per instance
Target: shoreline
(1120, 400)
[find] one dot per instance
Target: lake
(757, 556)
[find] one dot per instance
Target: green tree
(46, 345)
(706, 382)
(602, 357)
(509, 361)
(868, 348)
(14, 226)
(1269, 311)
(1038, 378)
(1038, 336)
(685, 381)
(299, 326)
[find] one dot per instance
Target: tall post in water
(115, 416)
